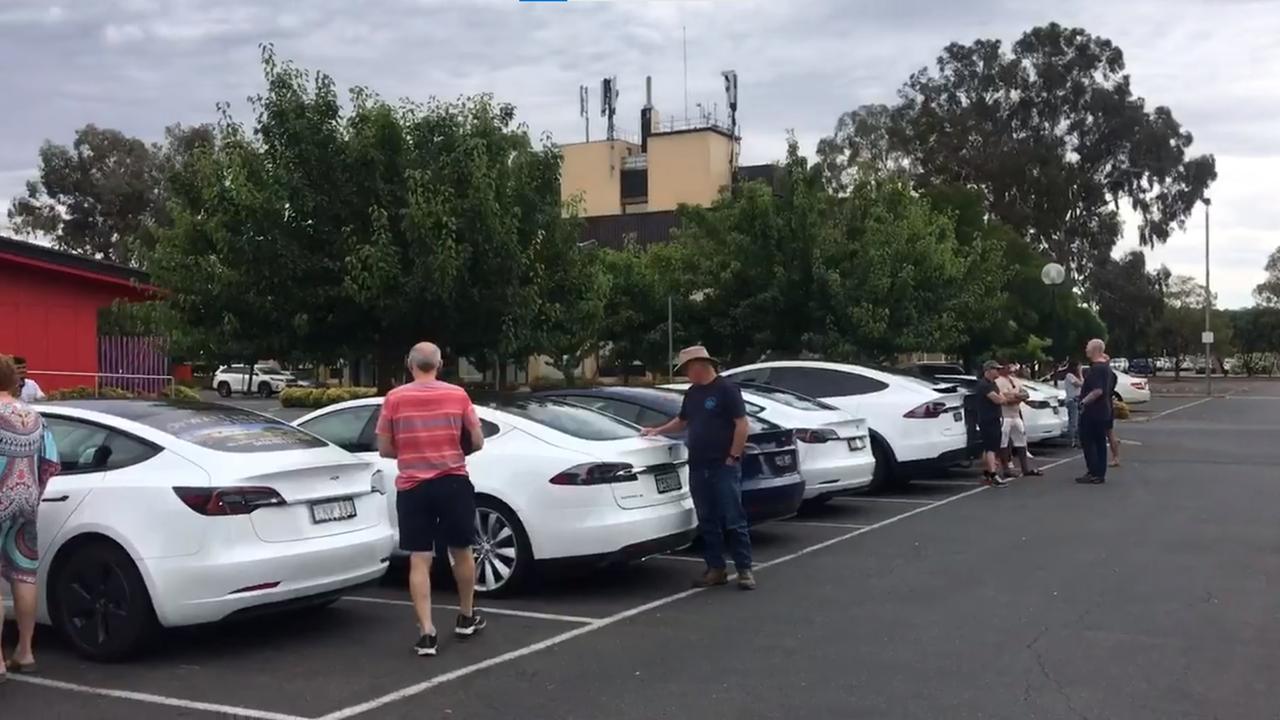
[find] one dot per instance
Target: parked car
(554, 482)
(266, 380)
(929, 370)
(913, 422)
(169, 514)
(772, 487)
(1120, 364)
(1132, 390)
(1043, 413)
(833, 447)
(1142, 367)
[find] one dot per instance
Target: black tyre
(224, 389)
(886, 473)
(100, 604)
(264, 389)
(814, 503)
(504, 560)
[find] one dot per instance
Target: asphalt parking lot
(1149, 597)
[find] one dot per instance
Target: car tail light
(1038, 404)
(228, 500)
(927, 411)
(1139, 385)
(595, 474)
(816, 435)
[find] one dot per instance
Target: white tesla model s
(170, 514)
(554, 481)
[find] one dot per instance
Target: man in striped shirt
(421, 426)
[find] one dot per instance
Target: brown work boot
(746, 580)
(711, 578)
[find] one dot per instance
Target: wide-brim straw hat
(696, 352)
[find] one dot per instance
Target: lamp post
(1208, 306)
(1053, 275)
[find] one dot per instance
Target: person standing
(1071, 381)
(28, 390)
(716, 419)
(1095, 413)
(421, 425)
(1013, 435)
(990, 405)
(28, 459)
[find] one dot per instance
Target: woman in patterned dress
(28, 459)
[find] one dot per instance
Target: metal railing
(128, 382)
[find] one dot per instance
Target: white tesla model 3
(169, 514)
(554, 481)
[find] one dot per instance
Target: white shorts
(1013, 431)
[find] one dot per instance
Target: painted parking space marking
(946, 483)
(684, 558)
(914, 501)
(564, 637)
(846, 526)
(491, 610)
(222, 710)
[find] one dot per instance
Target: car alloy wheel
(101, 603)
(224, 389)
(497, 550)
(264, 390)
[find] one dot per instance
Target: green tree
(104, 195)
(1130, 301)
(1182, 320)
(1267, 292)
(640, 281)
(1054, 136)
(1256, 332)
(573, 305)
(862, 147)
(362, 231)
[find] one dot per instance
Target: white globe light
(1053, 274)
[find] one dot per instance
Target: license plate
(668, 482)
(323, 512)
(957, 416)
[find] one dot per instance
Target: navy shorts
(440, 511)
(991, 435)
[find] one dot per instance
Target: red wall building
(49, 302)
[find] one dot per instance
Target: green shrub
(182, 392)
(83, 392)
(322, 397)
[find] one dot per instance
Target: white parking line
(430, 683)
(946, 483)
(1171, 411)
(915, 501)
(223, 710)
(848, 526)
(489, 610)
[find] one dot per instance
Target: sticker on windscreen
(230, 431)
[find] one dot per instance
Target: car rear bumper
(778, 498)
(939, 450)
(829, 479)
(212, 586)
(577, 533)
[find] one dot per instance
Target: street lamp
(1053, 275)
(1208, 306)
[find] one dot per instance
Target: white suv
(913, 422)
(266, 380)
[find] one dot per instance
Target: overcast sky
(139, 65)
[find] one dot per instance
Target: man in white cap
(716, 419)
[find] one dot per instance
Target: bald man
(421, 426)
(1095, 412)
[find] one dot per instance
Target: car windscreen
(228, 429)
(573, 420)
(786, 397)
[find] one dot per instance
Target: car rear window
(229, 429)
(573, 420)
(788, 398)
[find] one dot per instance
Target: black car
(771, 484)
(1142, 367)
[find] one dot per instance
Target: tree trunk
(386, 367)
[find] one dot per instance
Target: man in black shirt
(1095, 413)
(716, 419)
(990, 403)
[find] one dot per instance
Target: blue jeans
(1093, 443)
(1073, 420)
(717, 499)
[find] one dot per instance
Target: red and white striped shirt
(425, 421)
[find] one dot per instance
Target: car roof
(135, 409)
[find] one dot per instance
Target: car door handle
(60, 498)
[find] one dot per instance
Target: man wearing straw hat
(716, 419)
